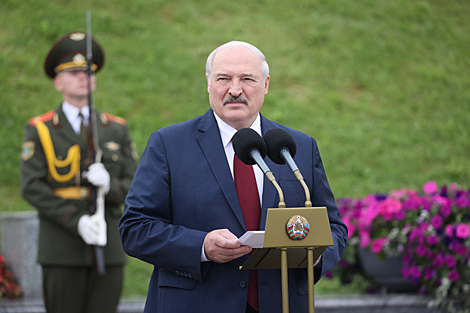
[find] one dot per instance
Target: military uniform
(53, 159)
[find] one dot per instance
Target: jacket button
(242, 284)
(190, 276)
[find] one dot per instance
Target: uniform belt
(72, 192)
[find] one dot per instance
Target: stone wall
(19, 232)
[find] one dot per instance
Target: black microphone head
(277, 139)
(244, 141)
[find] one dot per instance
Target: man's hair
(264, 64)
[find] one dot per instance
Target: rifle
(94, 153)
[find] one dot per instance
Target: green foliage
(382, 85)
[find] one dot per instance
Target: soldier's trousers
(81, 290)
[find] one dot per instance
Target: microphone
(251, 149)
(281, 149)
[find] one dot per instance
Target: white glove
(92, 229)
(98, 176)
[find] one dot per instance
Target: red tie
(248, 197)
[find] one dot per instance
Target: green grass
(382, 85)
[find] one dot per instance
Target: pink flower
(450, 231)
(430, 187)
(462, 231)
(454, 275)
(389, 207)
(364, 237)
(397, 194)
(351, 227)
(377, 244)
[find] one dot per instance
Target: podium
(294, 238)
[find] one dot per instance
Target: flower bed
(429, 230)
(8, 287)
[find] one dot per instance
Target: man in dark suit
(183, 215)
(55, 179)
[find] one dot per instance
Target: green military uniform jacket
(42, 177)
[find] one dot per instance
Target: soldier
(55, 175)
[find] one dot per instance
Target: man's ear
(266, 85)
(208, 82)
(58, 83)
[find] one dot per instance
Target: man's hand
(98, 176)
(92, 229)
(222, 246)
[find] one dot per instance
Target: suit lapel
(269, 191)
(65, 129)
(211, 145)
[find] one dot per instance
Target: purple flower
(454, 275)
(462, 231)
(430, 187)
(415, 272)
(400, 215)
(432, 240)
(426, 203)
(438, 261)
(462, 201)
(411, 204)
(421, 250)
(436, 221)
(444, 191)
(459, 248)
(417, 234)
(446, 207)
(450, 261)
(405, 272)
(429, 273)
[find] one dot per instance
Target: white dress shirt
(72, 114)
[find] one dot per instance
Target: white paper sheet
(252, 238)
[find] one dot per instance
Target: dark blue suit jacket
(183, 189)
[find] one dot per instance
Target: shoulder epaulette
(44, 118)
(105, 117)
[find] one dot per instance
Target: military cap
(69, 53)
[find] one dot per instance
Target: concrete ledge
(37, 306)
(391, 303)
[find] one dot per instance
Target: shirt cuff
(203, 255)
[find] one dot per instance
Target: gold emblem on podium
(297, 227)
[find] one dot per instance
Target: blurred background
(383, 86)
